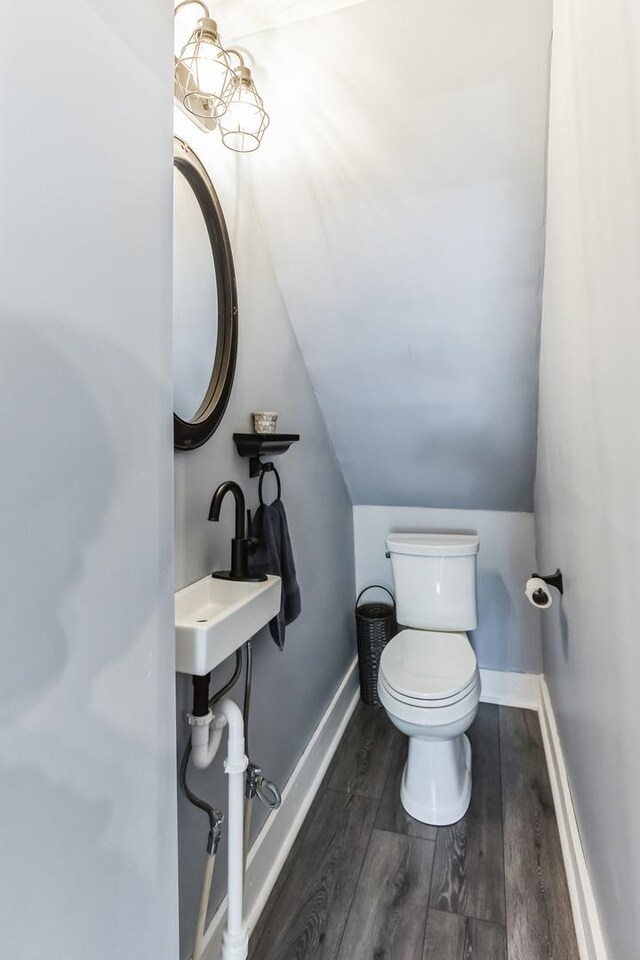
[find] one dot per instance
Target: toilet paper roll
(538, 593)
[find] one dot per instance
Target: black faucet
(241, 545)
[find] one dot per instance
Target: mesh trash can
(375, 626)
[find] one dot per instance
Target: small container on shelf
(264, 421)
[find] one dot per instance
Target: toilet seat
(428, 668)
(430, 705)
(430, 717)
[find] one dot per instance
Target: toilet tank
(435, 580)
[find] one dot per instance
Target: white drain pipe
(205, 738)
(235, 939)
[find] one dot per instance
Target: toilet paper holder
(554, 580)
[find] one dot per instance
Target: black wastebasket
(375, 626)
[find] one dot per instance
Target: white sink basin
(215, 617)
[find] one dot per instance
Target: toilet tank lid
(433, 544)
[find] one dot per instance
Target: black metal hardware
(554, 580)
(269, 468)
(241, 545)
(256, 445)
(229, 486)
(201, 695)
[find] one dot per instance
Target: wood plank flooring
(364, 881)
(539, 921)
(468, 875)
(387, 915)
(450, 936)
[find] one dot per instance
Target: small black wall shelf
(257, 445)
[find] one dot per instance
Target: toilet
(428, 679)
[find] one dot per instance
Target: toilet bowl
(430, 687)
(428, 678)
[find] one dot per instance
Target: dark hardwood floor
(364, 881)
(468, 873)
(539, 921)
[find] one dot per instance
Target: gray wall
(87, 714)
(401, 189)
(587, 503)
(292, 688)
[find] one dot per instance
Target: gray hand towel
(274, 555)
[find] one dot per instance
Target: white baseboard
(591, 944)
(511, 689)
(273, 843)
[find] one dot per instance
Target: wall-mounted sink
(215, 617)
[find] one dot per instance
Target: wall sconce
(245, 120)
(215, 94)
(206, 69)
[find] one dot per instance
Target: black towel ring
(269, 468)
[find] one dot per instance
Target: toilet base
(436, 782)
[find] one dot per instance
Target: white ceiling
(243, 17)
(401, 191)
(240, 18)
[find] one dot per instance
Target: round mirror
(195, 302)
(204, 303)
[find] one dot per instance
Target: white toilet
(428, 678)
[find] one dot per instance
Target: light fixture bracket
(208, 27)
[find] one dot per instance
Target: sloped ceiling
(401, 189)
(242, 17)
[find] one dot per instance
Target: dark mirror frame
(191, 434)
